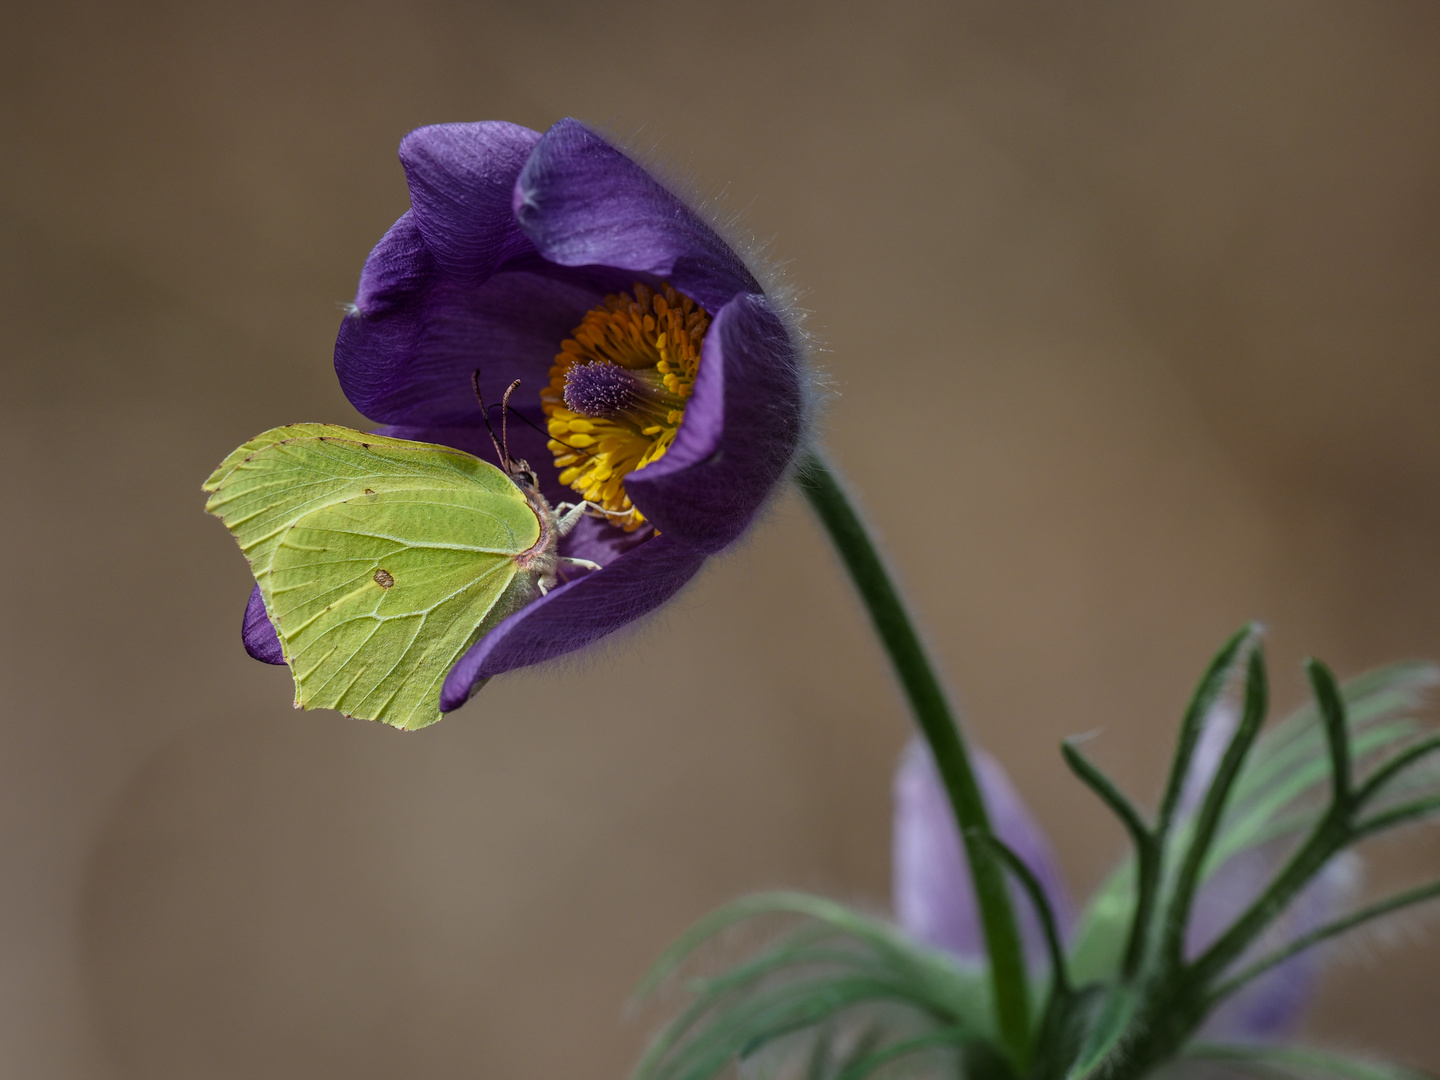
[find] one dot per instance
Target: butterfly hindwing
(380, 561)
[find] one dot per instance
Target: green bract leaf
(845, 990)
(380, 561)
(1105, 1034)
(1101, 934)
(1267, 1062)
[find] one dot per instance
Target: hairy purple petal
(398, 270)
(462, 178)
(581, 202)
(1273, 1004)
(406, 353)
(512, 237)
(258, 632)
(597, 540)
(575, 614)
(740, 431)
(934, 900)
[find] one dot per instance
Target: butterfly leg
(579, 564)
(548, 582)
(569, 515)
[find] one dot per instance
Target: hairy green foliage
(1278, 794)
(859, 994)
(380, 561)
(1312, 783)
(850, 997)
(1298, 1063)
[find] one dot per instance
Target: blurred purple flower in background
(663, 384)
(934, 900)
(935, 903)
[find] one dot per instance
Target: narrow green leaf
(1109, 794)
(1337, 735)
(1207, 820)
(804, 954)
(826, 911)
(1377, 694)
(759, 1019)
(872, 1063)
(1102, 1039)
(1060, 978)
(1372, 697)
(1101, 936)
(1399, 815)
(717, 994)
(1212, 683)
(1147, 854)
(1304, 1060)
(1249, 826)
(792, 980)
(1387, 772)
(1409, 898)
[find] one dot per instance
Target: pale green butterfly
(381, 560)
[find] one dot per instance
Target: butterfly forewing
(269, 438)
(380, 561)
(262, 495)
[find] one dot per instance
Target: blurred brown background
(1132, 311)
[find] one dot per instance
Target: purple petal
(575, 614)
(258, 632)
(462, 178)
(596, 539)
(1273, 1004)
(404, 356)
(398, 269)
(582, 202)
(934, 900)
(739, 434)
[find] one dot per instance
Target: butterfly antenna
(502, 454)
(537, 428)
(505, 419)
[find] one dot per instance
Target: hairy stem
(936, 720)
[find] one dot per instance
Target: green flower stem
(937, 723)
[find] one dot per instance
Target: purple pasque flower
(659, 381)
(934, 902)
(1271, 1006)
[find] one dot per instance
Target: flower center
(618, 390)
(598, 390)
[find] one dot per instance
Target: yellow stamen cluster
(655, 337)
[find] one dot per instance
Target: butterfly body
(380, 561)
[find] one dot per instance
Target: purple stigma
(599, 389)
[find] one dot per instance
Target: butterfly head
(518, 469)
(524, 476)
